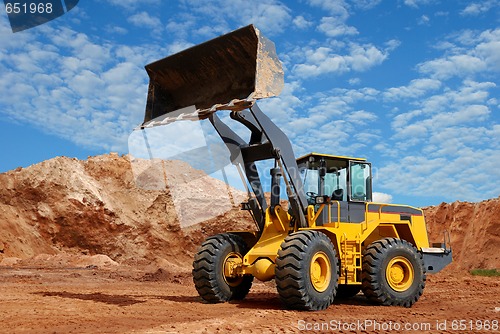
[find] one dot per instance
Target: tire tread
(290, 271)
(204, 271)
(373, 287)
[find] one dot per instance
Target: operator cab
(346, 180)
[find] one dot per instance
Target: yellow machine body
(349, 239)
(380, 220)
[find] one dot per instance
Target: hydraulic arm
(267, 141)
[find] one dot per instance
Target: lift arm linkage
(267, 141)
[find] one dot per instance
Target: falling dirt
(83, 250)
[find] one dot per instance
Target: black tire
(208, 269)
(301, 253)
(345, 291)
(393, 272)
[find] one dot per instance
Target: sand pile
(474, 229)
(92, 207)
(69, 212)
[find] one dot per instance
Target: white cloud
(416, 88)
(470, 176)
(382, 197)
(271, 16)
(481, 55)
(85, 82)
(361, 117)
(181, 25)
(144, 20)
(459, 65)
(366, 4)
(301, 22)
(489, 49)
(91, 94)
(417, 3)
(178, 46)
(392, 44)
(441, 14)
(448, 108)
(324, 122)
(443, 143)
(329, 123)
(116, 29)
(363, 57)
(332, 27)
(470, 92)
(323, 60)
(478, 8)
(354, 81)
(209, 31)
(299, 125)
(284, 106)
(424, 20)
(132, 4)
(337, 8)
(342, 100)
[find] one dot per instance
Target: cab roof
(330, 156)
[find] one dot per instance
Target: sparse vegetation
(485, 272)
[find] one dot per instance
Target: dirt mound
(91, 207)
(67, 212)
(474, 229)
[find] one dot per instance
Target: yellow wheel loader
(333, 241)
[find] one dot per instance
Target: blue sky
(412, 85)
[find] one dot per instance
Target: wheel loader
(332, 241)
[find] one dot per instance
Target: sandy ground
(123, 300)
(84, 250)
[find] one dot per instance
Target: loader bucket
(229, 72)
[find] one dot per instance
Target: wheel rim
(400, 274)
(230, 262)
(320, 271)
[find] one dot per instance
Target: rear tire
(208, 269)
(307, 271)
(393, 272)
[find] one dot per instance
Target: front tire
(307, 271)
(208, 269)
(393, 272)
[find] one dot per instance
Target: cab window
(335, 184)
(360, 179)
(310, 179)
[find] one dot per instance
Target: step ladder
(350, 259)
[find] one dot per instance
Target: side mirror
(322, 171)
(322, 199)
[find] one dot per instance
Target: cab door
(336, 188)
(359, 189)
